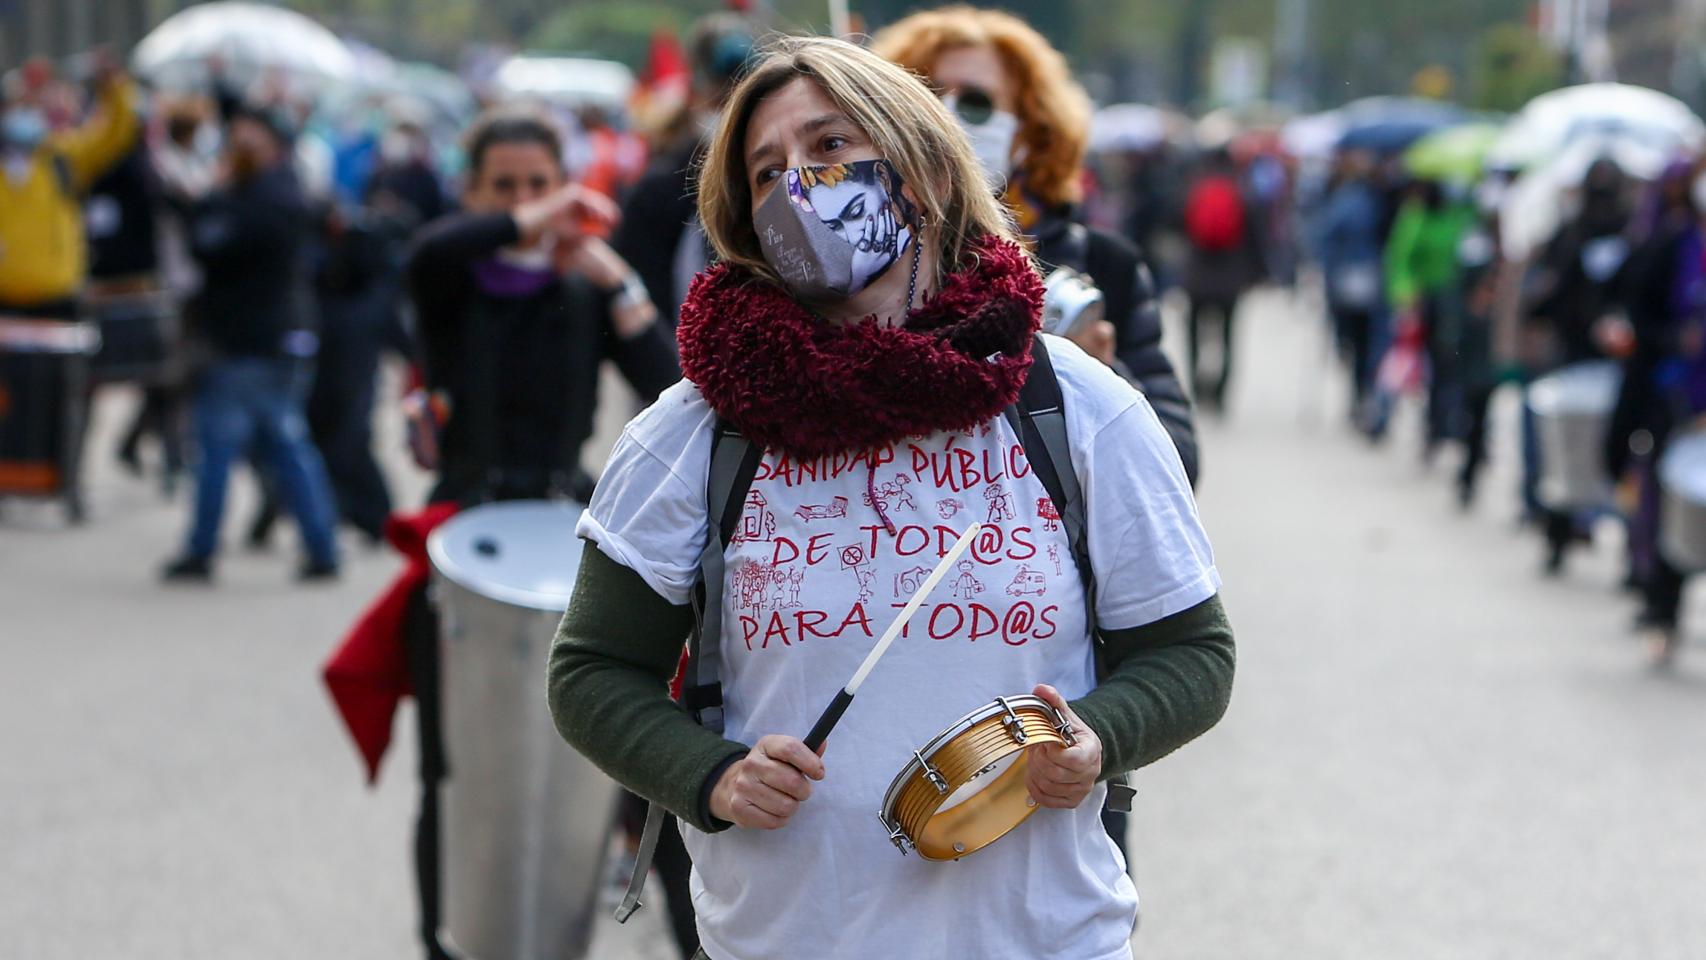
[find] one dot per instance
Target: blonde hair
(1053, 110)
(906, 123)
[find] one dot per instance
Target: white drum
(1572, 413)
(1682, 509)
(527, 819)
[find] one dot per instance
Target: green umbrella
(1456, 153)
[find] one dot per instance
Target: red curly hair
(1053, 110)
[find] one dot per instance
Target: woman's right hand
(764, 788)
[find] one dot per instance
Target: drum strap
(734, 462)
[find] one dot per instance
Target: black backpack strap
(1039, 418)
(734, 462)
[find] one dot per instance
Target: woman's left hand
(1060, 776)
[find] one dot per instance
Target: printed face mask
(991, 132)
(829, 231)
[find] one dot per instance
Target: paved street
(1431, 752)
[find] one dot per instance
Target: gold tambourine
(965, 789)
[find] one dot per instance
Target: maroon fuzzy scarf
(790, 381)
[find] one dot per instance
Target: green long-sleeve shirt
(1421, 253)
(620, 642)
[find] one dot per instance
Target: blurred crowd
(249, 248)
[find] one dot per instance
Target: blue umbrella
(1389, 125)
(1388, 137)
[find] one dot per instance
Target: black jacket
(654, 214)
(250, 240)
(521, 372)
(119, 213)
(1128, 290)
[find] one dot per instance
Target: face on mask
(24, 128)
(991, 131)
(830, 231)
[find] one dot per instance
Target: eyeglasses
(973, 105)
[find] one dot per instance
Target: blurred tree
(1512, 65)
(613, 31)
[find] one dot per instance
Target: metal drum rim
(443, 565)
(953, 730)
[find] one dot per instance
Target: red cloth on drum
(368, 674)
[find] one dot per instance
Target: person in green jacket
(1421, 281)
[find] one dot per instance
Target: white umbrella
(1313, 137)
(1534, 207)
(566, 81)
(1128, 126)
(250, 39)
(1596, 112)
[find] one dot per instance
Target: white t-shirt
(814, 576)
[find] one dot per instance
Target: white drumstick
(842, 699)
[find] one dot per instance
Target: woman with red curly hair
(1029, 124)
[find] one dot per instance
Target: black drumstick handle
(831, 716)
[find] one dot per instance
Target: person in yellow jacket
(43, 174)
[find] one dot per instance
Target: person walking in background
(356, 281)
(1221, 264)
(1659, 342)
(43, 175)
(249, 236)
(1421, 282)
(660, 234)
(183, 161)
(1570, 288)
(1480, 263)
(1014, 96)
(405, 184)
(1349, 243)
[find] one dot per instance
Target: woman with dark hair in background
(514, 322)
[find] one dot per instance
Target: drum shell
(44, 372)
(137, 330)
(526, 819)
(1682, 504)
(1572, 413)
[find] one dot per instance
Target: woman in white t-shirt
(871, 319)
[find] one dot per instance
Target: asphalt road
(1431, 752)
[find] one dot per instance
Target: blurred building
(57, 28)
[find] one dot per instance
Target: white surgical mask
(991, 132)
